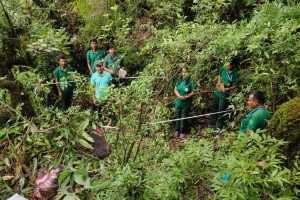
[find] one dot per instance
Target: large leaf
(63, 176)
(84, 124)
(71, 197)
(87, 136)
(79, 179)
(85, 144)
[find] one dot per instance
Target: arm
(254, 124)
(247, 133)
(230, 88)
(89, 66)
(58, 87)
(189, 95)
(93, 84)
(236, 80)
(177, 94)
(109, 70)
(219, 80)
(218, 85)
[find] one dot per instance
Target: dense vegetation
(261, 38)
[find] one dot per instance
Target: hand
(182, 98)
(219, 87)
(91, 72)
(95, 100)
(60, 94)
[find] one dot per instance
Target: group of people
(227, 81)
(104, 71)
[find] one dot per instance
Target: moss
(17, 96)
(285, 124)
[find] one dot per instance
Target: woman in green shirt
(184, 91)
(226, 83)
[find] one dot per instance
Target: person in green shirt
(226, 83)
(184, 91)
(94, 55)
(113, 63)
(259, 115)
(65, 90)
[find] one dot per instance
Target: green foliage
(45, 39)
(261, 39)
(248, 179)
(210, 12)
(285, 125)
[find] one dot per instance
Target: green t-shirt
(256, 119)
(228, 79)
(184, 89)
(58, 73)
(93, 57)
(113, 63)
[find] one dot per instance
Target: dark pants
(116, 82)
(66, 100)
(219, 104)
(182, 125)
(110, 111)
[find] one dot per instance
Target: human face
(62, 62)
(183, 72)
(94, 45)
(229, 67)
(99, 69)
(252, 102)
(112, 51)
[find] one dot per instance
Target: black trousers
(182, 125)
(219, 104)
(66, 100)
(111, 114)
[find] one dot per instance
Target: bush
(285, 125)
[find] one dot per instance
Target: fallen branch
(55, 127)
(25, 135)
(26, 169)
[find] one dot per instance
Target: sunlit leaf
(85, 144)
(87, 136)
(63, 176)
(84, 124)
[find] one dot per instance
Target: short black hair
(94, 40)
(63, 57)
(259, 96)
(111, 46)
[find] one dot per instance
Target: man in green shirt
(184, 91)
(113, 63)
(258, 117)
(227, 82)
(64, 87)
(94, 55)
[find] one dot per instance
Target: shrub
(285, 125)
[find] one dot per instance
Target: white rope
(39, 84)
(196, 116)
(136, 77)
(172, 120)
(109, 127)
